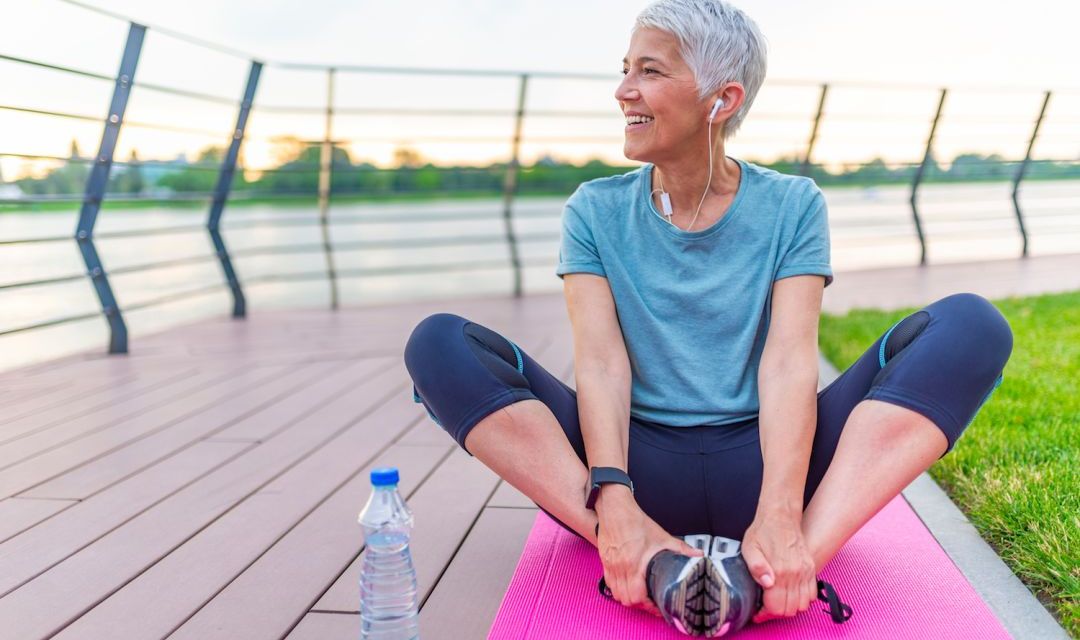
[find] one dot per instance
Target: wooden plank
(295, 355)
(19, 514)
(325, 625)
(74, 391)
(292, 399)
(204, 411)
(40, 432)
(123, 393)
(55, 598)
(92, 366)
(14, 390)
(333, 382)
(36, 550)
(445, 507)
(273, 407)
(31, 471)
(426, 433)
(464, 603)
(304, 556)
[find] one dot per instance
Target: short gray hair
(719, 43)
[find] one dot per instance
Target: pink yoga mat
(899, 582)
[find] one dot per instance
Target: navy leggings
(943, 361)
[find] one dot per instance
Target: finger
(628, 599)
(759, 567)
(806, 595)
(686, 549)
(638, 594)
(618, 589)
(791, 599)
(774, 601)
(763, 616)
(649, 607)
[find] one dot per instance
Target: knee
(428, 334)
(983, 323)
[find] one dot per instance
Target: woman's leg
(898, 409)
(505, 409)
(524, 444)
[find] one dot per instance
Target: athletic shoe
(707, 596)
(713, 595)
(677, 584)
(738, 594)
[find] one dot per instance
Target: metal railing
(124, 83)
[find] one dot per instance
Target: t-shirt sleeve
(577, 247)
(808, 251)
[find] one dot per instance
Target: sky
(999, 56)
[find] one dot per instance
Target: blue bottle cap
(384, 476)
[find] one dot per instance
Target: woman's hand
(779, 560)
(627, 540)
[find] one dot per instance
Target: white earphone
(716, 107)
(665, 199)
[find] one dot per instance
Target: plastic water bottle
(388, 598)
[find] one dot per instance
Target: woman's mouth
(635, 123)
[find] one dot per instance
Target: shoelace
(839, 611)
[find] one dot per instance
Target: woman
(694, 287)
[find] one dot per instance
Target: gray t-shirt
(694, 306)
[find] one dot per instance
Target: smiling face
(658, 84)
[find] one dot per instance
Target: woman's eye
(647, 70)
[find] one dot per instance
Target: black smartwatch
(604, 475)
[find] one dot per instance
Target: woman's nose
(625, 91)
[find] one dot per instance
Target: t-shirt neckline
(657, 218)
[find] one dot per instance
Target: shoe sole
(702, 599)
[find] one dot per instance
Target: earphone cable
(660, 179)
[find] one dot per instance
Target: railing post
(326, 157)
(919, 174)
(1023, 170)
(805, 169)
(510, 186)
(224, 184)
(98, 181)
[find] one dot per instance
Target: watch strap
(599, 476)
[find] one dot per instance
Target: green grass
(1016, 470)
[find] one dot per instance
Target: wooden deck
(207, 484)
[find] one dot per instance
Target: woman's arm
(601, 372)
(628, 538)
(787, 390)
(787, 393)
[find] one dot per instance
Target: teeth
(638, 119)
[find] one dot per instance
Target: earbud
(716, 107)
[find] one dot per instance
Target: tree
(198, 179)
(128, 179)
(407, 157)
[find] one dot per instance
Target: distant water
(870, 227)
